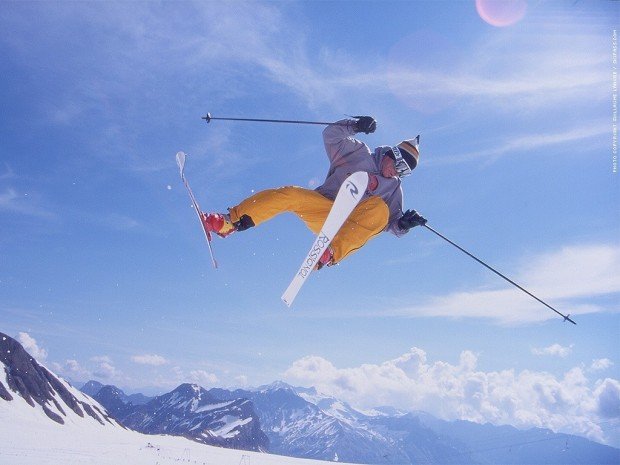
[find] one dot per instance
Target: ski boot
(327, 259)
(218, 223)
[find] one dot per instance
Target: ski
(349, 195)
(181, 164)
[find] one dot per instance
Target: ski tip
(288, 304)
(181, 161)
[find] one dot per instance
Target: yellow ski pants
(368, 219)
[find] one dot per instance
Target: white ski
(349, 195)
(181, 164)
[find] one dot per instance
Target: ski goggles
(400, 164)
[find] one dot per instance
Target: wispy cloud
(149, 359)
(562, 278)
(24, 204)
(601, 364)
(118, 222)
(540, 66)
(8, 173)
(528, 143)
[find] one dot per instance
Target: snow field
(28, 437)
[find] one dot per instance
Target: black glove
(410, 219)
(365, 124)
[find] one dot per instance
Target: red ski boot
(326, 259)
(218, 223)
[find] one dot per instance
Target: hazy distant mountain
(91, 388)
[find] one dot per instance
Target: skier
(379, 210)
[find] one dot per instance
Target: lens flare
(501, 13)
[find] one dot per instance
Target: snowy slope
(46, 421)
(27, 437)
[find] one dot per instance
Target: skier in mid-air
(381, 208)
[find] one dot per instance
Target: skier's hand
(410, 219)
(365, 124)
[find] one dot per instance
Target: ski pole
(209, 118)
(566, 317)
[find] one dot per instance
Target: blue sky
(104, 272)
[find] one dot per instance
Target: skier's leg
(307, 204)
(367, 220)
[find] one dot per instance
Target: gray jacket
(348, 155)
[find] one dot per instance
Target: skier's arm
(338, 137)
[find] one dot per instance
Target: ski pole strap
(566, 317)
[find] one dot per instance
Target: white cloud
(601, 364)
(533, 74)
(569, 403)
(559, 278)
(72, 370)
(575, 271)
(607, 396)
(149, 359)
(31, 346)
(529, 143)
(106, 371)
(99, 367)
(555, 350)
(203, 378)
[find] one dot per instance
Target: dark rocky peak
(24, 377)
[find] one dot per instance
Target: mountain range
(300, 422)
(286, 420)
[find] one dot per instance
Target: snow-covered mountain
(188, 411)
(300, 428)
(45, 421)
(28, 381)
(301, 422)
